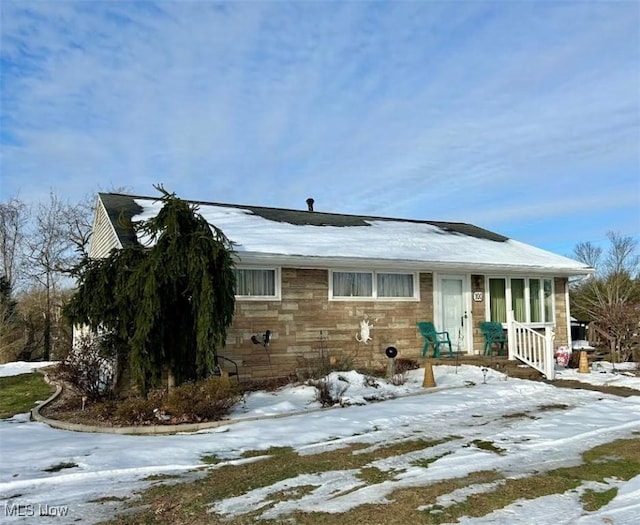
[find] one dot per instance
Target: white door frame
(467, 344)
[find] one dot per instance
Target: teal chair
(433, 338)
(493, 335)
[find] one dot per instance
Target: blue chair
(433, 338)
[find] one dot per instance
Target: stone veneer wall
(560, 303)
(478, 312)
(305, 322)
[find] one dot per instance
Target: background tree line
(610, 298)
(39, 245)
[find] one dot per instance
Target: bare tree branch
(13, 219)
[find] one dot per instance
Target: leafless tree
(40, 244)
(588, 253)
(77, 220)
(50, 254)
(13, 220)
(611, 297)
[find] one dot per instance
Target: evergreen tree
(7, 303)
(169, 305)
(10, 329)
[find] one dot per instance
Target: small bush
(403, 365)
(207, 400)
(137, 410)
(325, 394)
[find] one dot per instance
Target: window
(541, 300)
(534, 300)
(531, 299)
(372, 285)
(517, 300)
(395, 284)
(257, 283)
(498, 300)
(352, 284)
(548, 301)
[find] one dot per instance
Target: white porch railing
(531, 347)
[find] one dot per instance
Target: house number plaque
(478, 297)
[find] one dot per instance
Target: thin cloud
(409, 109)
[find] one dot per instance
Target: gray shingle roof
(121, 208)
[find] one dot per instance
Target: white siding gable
(104, 237)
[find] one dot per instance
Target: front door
(454, 311)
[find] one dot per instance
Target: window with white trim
(530, 298)
(372, 285)
(257, 283)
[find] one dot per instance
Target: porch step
(500, 364)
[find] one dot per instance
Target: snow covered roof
(318, 239)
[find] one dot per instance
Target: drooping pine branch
(172, 303)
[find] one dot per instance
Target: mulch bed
(68, 406)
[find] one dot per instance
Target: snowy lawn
(469, 424)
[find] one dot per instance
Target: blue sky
(523, 118)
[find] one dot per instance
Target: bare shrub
(610, 299)
(206, 400)
(403, 365)
(322, 366)
(90, 368)
(136, 410)
(398, 379)
(328, 393)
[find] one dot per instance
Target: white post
(549, 359)
(511, 335)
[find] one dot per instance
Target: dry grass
(188, 503)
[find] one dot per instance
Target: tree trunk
(46, 354)
(171, 380)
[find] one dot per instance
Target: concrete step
(500, 363)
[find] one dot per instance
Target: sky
(519, 117)
(538, 427)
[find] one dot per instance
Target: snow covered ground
(466, 405)
(22, 367)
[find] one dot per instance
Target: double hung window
(372, 285)
(257, 283)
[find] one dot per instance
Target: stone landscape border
(142, 429)
(168, 429)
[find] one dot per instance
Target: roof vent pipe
(310, 204)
